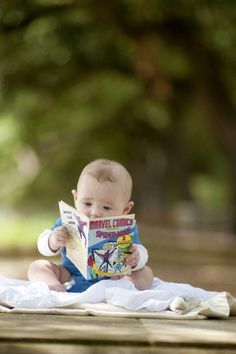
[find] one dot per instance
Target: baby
(104, 189)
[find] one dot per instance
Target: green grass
(23, 230)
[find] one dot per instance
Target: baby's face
(100, 199)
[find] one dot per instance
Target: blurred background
(150, 84)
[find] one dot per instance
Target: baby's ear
(74, 193)
(128, 207)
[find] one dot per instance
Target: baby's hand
(133, 259)
(58, 238)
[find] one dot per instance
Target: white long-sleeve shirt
(44, 249)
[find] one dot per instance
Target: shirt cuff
(143, 257)
(43, 244)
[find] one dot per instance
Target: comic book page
(77, 244)
(98, 247)
(110, 240)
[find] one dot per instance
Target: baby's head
(104, 189)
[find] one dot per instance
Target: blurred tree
(150, 85)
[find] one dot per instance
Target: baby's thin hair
(103, 175)
(103, 170)
(108, 170)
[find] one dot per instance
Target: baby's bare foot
(117, 277)
(57, 287)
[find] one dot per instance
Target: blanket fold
(117, 298)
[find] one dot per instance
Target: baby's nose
(95, 213)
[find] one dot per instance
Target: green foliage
(23, 231)
(122, 80)
(210, 193)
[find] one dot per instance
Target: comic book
(98, 247)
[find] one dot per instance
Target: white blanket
(117, 298)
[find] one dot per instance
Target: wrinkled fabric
(118, 297)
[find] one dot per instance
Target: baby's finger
(133, 253)
(61, 241)
(132, 264)
(61, 238)
(62, 229)
(62, 232)
(133, 248)
(131, 257)
(132, 261)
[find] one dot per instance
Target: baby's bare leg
(141, 278)
(51, 274)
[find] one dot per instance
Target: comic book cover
(98, 247)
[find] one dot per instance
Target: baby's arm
(58, 238)
(138, 257)
(51, 241)
(142, 275)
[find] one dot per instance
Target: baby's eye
(87, 204)
(106, 208)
